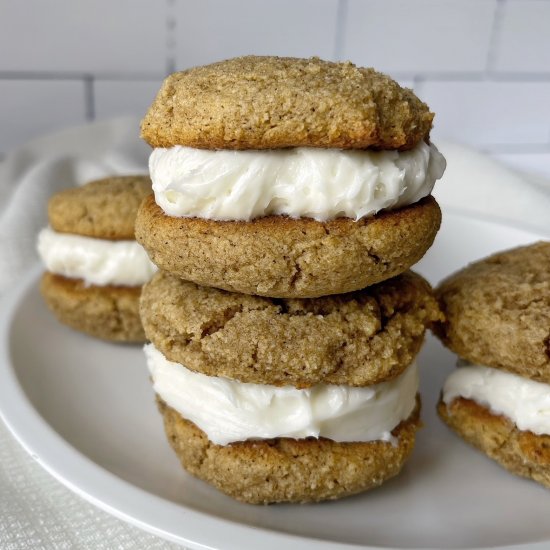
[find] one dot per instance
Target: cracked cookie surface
(497, 311)
(289, 470)
(275, 102)
(355, 339)
(104, 209)
(283, 257)
(107, 312)
(520, 452)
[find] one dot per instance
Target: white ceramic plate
(84, 409)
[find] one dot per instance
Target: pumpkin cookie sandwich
(498, 322)
(95, 268)
(288, 400)
(288, 178)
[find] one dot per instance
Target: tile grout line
(341, 21)
(89, 98)
(491, 76)
(435, 76)
(171, 36)
(56, 75)
(417, 81)
(494, 37)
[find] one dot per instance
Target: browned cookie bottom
(107, 312)
(520, 452)
(289, 470)
(283, 257)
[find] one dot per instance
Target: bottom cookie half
(107, 312)
(281, 257)
(289, 470)
(521, 452)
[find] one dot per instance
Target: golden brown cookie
(355, 339)
(282, 257)
(520, 452)
(105, 209)
(275, 102)
(289, 470)
(107, 312)
(497, 311)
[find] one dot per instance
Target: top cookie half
(277, 102)
(104, 209)
(497, 311)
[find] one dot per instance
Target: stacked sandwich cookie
(269, 174)
(288, 399)
(95, 268)
(498, 322)
(290, 198)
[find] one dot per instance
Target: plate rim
(130, 503)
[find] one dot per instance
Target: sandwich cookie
(288, 178)
(288, 400)
(95, 268)
(498, 321)
(263, 444)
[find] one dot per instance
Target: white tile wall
(29, 108)
(523, 42)
(211, 30)
(482, 65)
(83, 36)
(489, 113)
(123, 97)
(419, 35)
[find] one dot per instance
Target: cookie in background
(94, 267)
(498, 322)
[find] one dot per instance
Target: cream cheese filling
(97, 261)
(525, 402)
(228, 411)
(323, 184)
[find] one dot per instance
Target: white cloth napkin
(36, 511)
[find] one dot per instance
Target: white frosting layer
(227, 410)
(525, 402)
(96, 261)
(302, 182)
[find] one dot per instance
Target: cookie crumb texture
(355, 339)
(288, 470)
(520, 452)
(105, 209)
(283, 257)
(106, 312)
(497, 312)
(275, 102)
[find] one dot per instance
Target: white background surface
(482, 65)
(35, 511)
